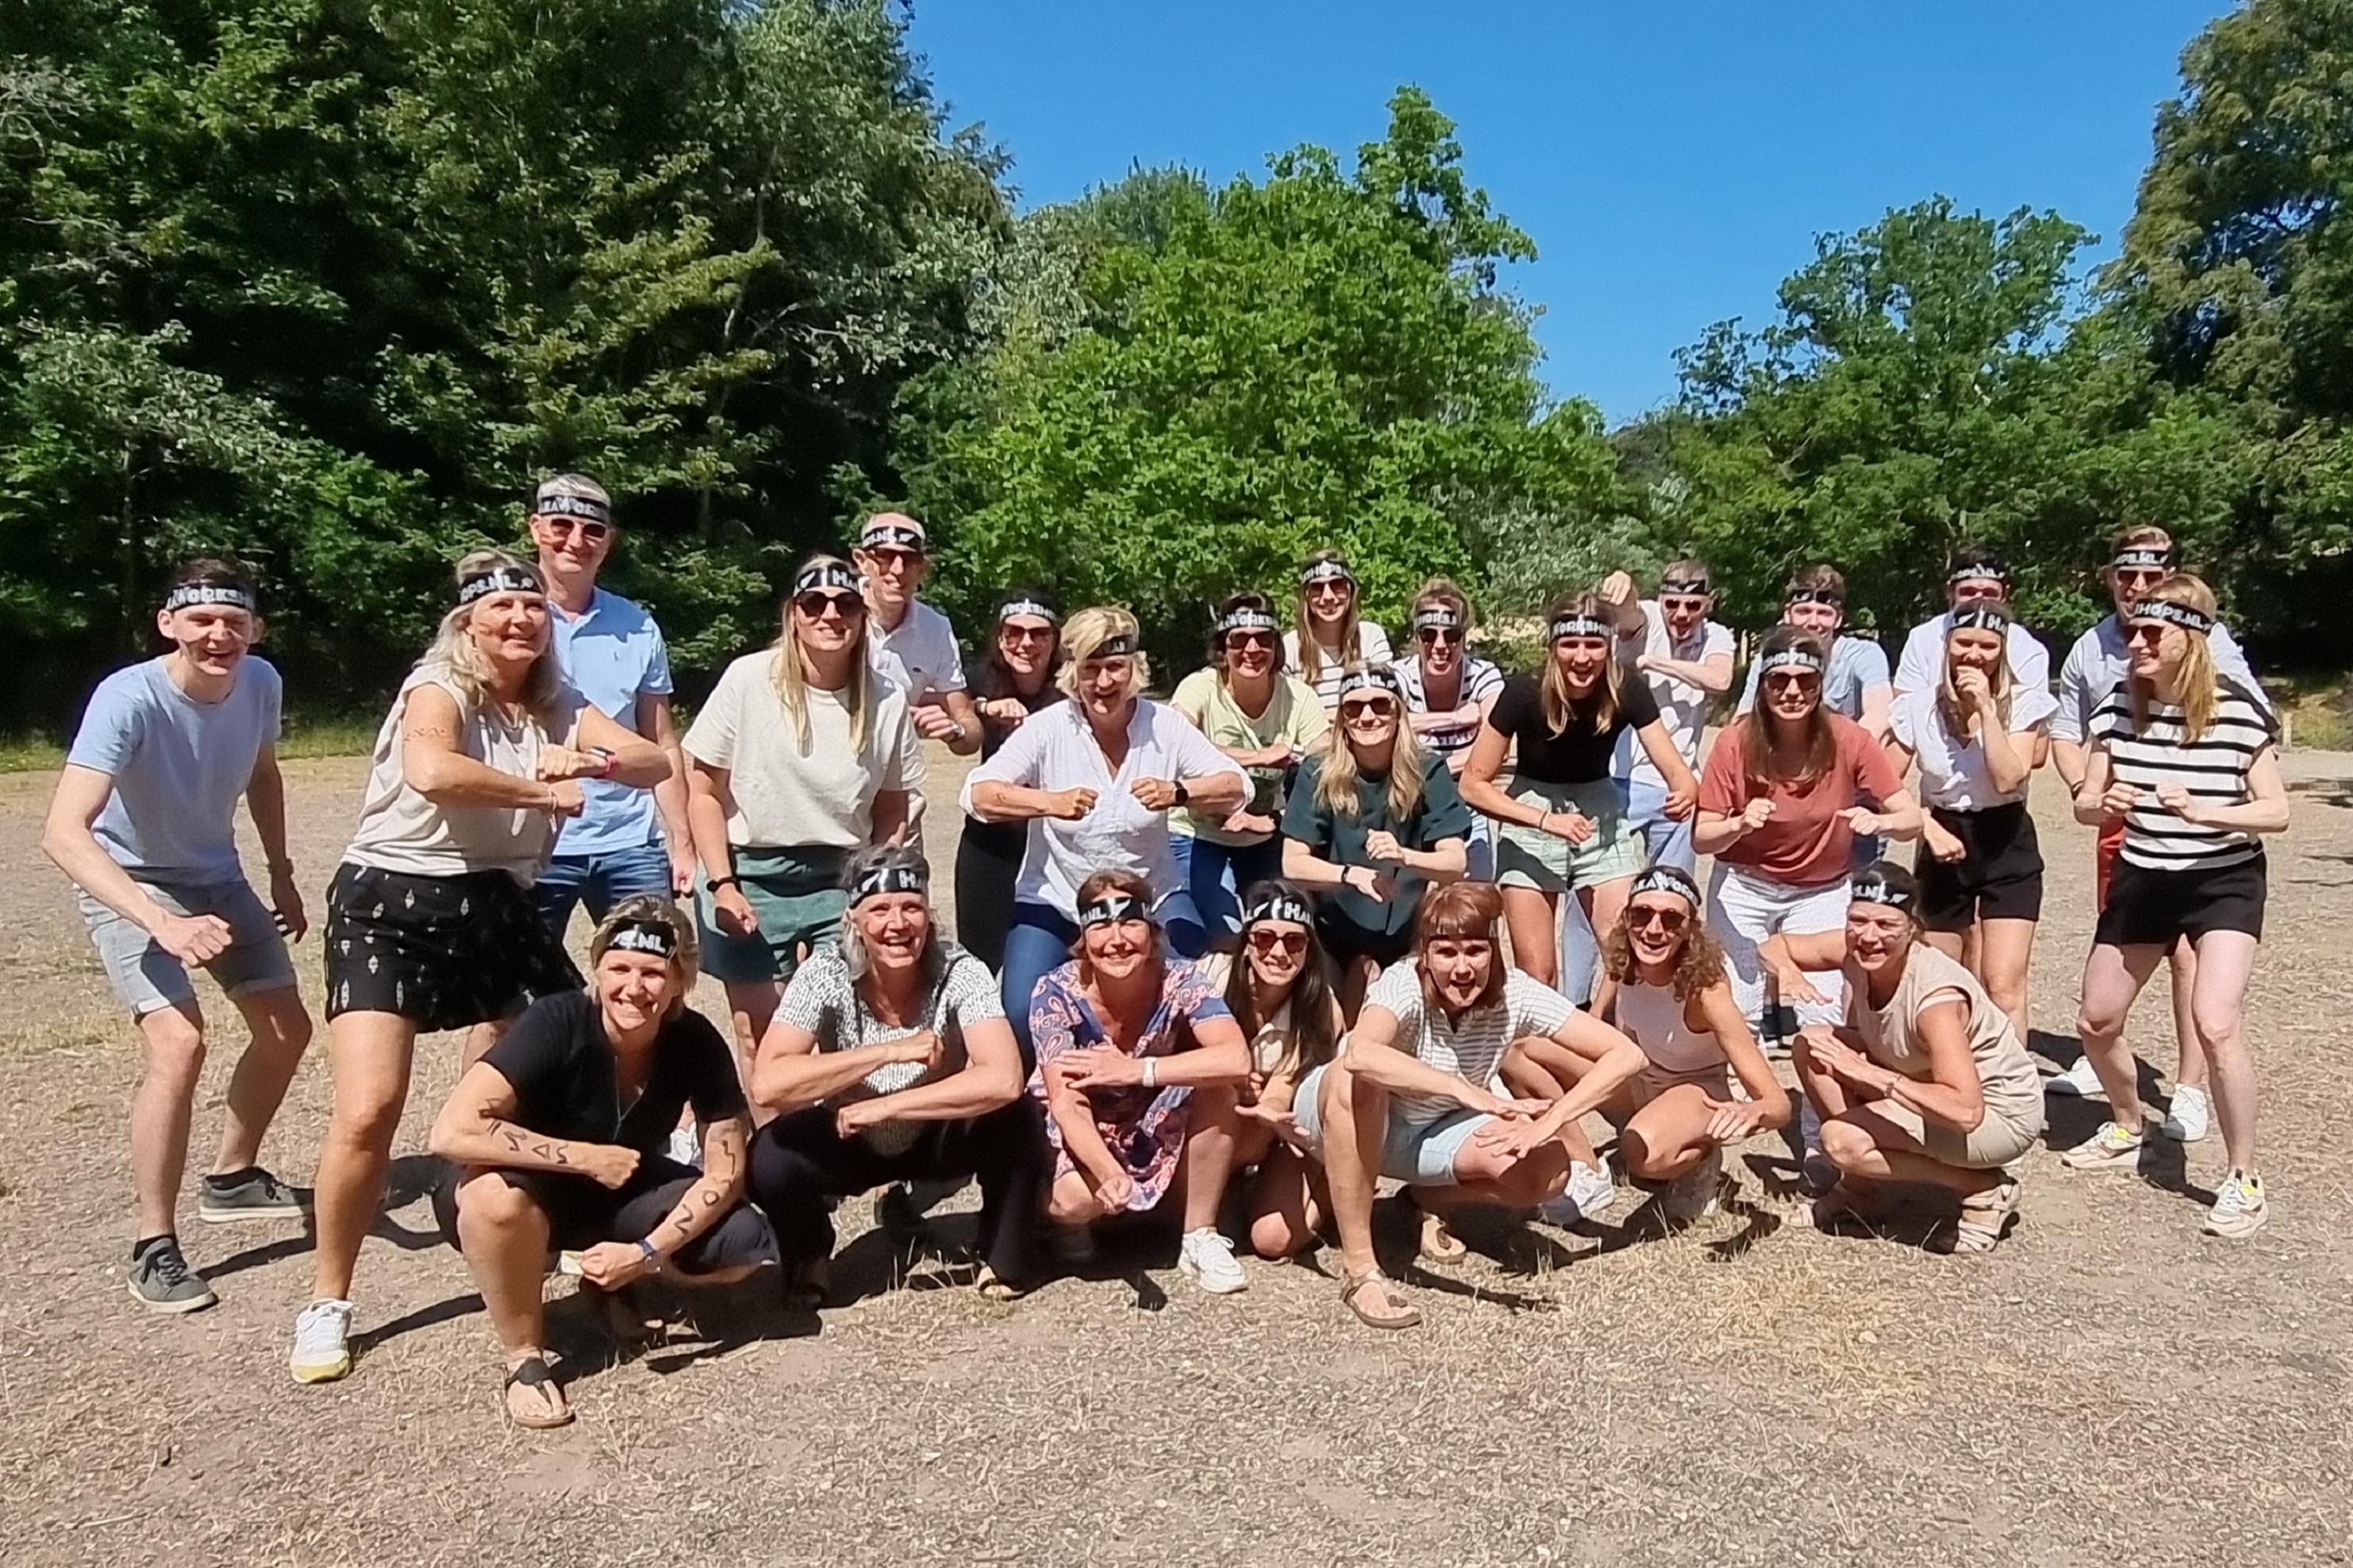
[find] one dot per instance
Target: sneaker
(250, 1193)
(1590, 1193)
(684, 1147)
(1816, 1173)
(2112, 1147)
(2188, 1117)
(161, 1281)
(322, 1343)
(2238, 1208)
(1694, 1195)
(2079, 1080)
(1208, 1258)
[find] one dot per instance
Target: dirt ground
(2108, 1385)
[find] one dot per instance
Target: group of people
(1234, 957)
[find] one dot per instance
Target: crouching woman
(556, 1138)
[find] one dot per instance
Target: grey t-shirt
(823, 999)
(179, 767)
(1857, 664)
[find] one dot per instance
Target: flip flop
(1393, 1311)
(1440, 1245)
(538, 1411)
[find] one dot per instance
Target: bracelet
(1152, 1072)
(715, 883)
(646, 1248)
(605, 759)
(1544, 822)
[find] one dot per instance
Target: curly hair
(1700, 966)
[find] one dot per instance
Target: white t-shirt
(1953, 776)
(1923, 658)
(1055, 749)
(2098, 662)
(1372, 647)
(1683, 707)
(1470, 1048)
(920, 654)
(788, 794)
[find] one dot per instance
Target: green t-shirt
(1341, 839)
(1291, 714)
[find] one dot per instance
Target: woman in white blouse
(1095, 778)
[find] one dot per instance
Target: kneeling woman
(891, 1060)
(1925, 1083)
(1409, 1099)
(1125, 1036)
(1664, 986)
(545, 1157)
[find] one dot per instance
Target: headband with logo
(1792, 658)
(1109, 909)
(588, 507)
(877, 881)
(1437, 618)
(822, 575)
(1025, 607)
(1667, 880)
(1977, 618)
(1979, 572)
(1372, 678)
(1683, 586)
(1244, 618)
(643, 936)
(1279, 906)
(2142, 557)
(187, 593)
(1119, 645)
(498, 580)
(1316, 572)
(1871, 887)
(1579, 626)
(2183, 616)
(1814, 596)
(891, 536)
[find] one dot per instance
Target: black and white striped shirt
(2213, 768)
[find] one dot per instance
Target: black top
(1581, 755)
(562, 1069)
(988, 684)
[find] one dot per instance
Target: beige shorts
(1994, 1143)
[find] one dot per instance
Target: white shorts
(1744, 908)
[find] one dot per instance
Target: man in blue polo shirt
(623, 843)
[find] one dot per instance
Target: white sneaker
(1208, 1258)
(2110, 1149)
(2191, 1116)
(1694, 1195)
(1590, 1193)
(322, 1343)
(2238, 1208)
(2079, 1080)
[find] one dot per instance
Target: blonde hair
(2195, 685)
(792, 686)
(1311, 652)
(1444, 591)
(1948, 701)
(1335, 789)
(1603, 704)
(1088, 631)
(455, 653)
(658, 910)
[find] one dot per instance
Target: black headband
(1579, 626)
(1871, 887)
(656, 937)
(2183, 616)
(1109, 909)
(891, 535)
(824, 574)
(1279, 906)
(2140, 557)
(498, 580)
(1326, 572)
(187, 593)
(1977, 618)
(877, 881)
(1025, 607)
(1437, 618)
(1684, 585)
(1667, 880)
(1979, 572)
(589, 507)
(1244, 618)
(1815, 596)
(1787, 657)
(1119, 645)
(1372, 678)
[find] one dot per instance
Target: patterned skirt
(444, 953)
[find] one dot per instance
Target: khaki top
(1890, 1035)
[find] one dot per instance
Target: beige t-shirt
(789, 794)
(400, 830)
(2013, 1089)
(1291, 714)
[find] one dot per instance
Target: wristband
(605, 759)
(1151, 1072)
(1544, 822)
(646, 1248)
(715, 883)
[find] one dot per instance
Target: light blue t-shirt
(1857, 664)
(179, 767)
(614, 654)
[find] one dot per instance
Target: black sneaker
(161, 1281)
(250, 1193)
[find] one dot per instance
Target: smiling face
(1328, 600)
(213, 639)
(509, 628)
(1975, 647)
(1878, 936)
(573, 545)
(828, 620)
(1792, 693)
(894, 574)
(1025, 645)
(895, 927)
(2152, 648)
(2128, 585)
(1813, 615)
(1250, 654)
(1459, 968)
(1686, 613)
(1278, 952)
(1369, 718)
(1655, 927)
(1118, 950)
(1442, 648)
(634, 990)
(1107, 686)
(1583, 661)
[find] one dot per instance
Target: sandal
(541, 1406)
(995, 1287)
(1983, 1216)
(1394, 1311)
(1440, 1245)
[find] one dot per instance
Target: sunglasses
(1335, 589)
(1431, 635)
(1639, 916)
(1294, 943)
(1244, 641)
(2146, 631)
(2140, 578)
(846, 604)
(1026, 634)
(1367, 708)
(1792, 680)
(587, 528)
(1679, 603)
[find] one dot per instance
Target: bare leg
(1668, 1137)
(1604, 904)
(1868, 1147)
(1285, 1212)
(281, 1033)
(1075, 1200)
(2005, 955)
(2191, 1066)
(172, 1040)
(1549, 1070)
(1209, 1156)
(1355, 977)
(2225, 960)
(2112, 977)
(1534, 921)
(370, 1053)
(751, 1005)
(504, 1234)
(1355, 1118)
(1480, 1177)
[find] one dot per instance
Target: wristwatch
(1183, 794)
(957, 731)
(715, 883)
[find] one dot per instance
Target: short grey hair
(863, 863)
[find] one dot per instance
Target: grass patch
(2317, 710)
(322, 735)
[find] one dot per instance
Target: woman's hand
(1729, 1121)
(2118, 800)
(1282, 755)
(1682, 800)
(1863, 822)
(1241, 821)
(609, 1165)
(2180, 802)
(1974, 692)
(1070, 804)
(1006, 711)
(1838, 1058)
(565, 800)
(1573, 825)
(1154, 794)
(1374, 885)
(1512, 1137)
(924, 1048)
(1098, 1066)
(609, 1265)
(564, 762)
(1792, 984)
(1115, 1189)
(854, 1117)
(1754, 815)
(732, 912)
(1382, 846)
(1942, 841)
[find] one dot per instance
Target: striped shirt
(1470, 1047)
(2213, 768)
(1480, 681)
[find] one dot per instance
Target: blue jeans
(1040, 943)
(599, 881)
(1218, 875)
(1666, 842)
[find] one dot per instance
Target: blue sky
(1672, 160)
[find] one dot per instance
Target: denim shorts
(600, 881)
(148, 979)
(1531, 858)
(1419, 1153)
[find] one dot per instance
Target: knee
(176, 1044)
(1068, 1204)
(1647, 1162)
(2095, 1020)
(1846, 1145)
(491, 1207)
(1273, 1236)
(2218, 1025)
(369, 1121)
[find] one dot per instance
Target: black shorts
(582, 1212)
(1997, 877)
(1347, 941)
(444, 953)
(2155, 909)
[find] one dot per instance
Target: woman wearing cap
(429, 924)
(800, 756)
(1094, 779)
(1925, 1083)
(891, 1060)
(1265, 721)
(2188, 759)
(1565, 825)
(1373, 822)
(1408, 1098)
(1128, 1040)
(1781, 803)
(1015, 680)
(1663, 985)
(543, 1156)
(1327, 635)
(1280, 993)
(1448, 692)
(1977, 737)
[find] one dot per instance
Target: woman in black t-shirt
(1565, 825)
(555, 1139)
(1012, 682)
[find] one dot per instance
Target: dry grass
(2108, 1384)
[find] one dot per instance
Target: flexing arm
(473, 1128)
(1952, 1093)
(2264, 811)
(790, 1072)
(1712, 675)
(1375, 1056)
(636, 762)
(433, 764)
(989, 1079)
(1616, 1061)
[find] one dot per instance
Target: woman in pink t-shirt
(1785, 793)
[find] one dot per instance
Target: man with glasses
(625, 842)
(908, 641)
(1687, 660)
(1976, 577)
(1855, 683)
